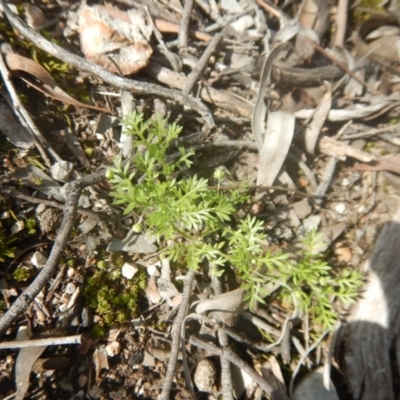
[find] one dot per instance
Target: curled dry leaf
(115, 39)
(37, 77)
(224, 307)
(314, 128)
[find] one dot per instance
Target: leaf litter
(287, 148)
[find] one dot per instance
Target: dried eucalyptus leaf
(277, 141)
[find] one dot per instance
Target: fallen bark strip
(106, 76)
(73, 191)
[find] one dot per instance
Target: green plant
(30, 225)
(315, 285)
(112, 297)
(22, 274)
(201, 225)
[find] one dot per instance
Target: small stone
(5, 215)
(153, 271)
(62, 170)
(84, 201)
(205, 375)
(341, 208)
(40, 208)
(113, 349)
(129, 271)
(17, 227)
(70, 288)
(38, 259)
(345, 182)
(49, 220)
(148, 360)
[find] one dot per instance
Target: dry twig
(184, 26)
(73, 191)
(195, 74)
(176, 335)
(54, 341)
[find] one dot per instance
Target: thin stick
(371, 132)
(195, 74)
(176, 335)
(341, 22)
(184, 26)
(12, 192)
(326, 179)
(106, 76)
(21, 114)
(235, 359)
(56, 341)
(226, 375)
(272, 10)
(343, 67)
(303, 357)
(73, 191)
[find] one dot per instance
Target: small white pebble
(152, 269)
(5, 215)
(63, 307)
(341, 208)
(70, 288)
(17, 227)
(38, 259)
(40, 208)
(345, 182)
(362, 209)
(129, 271)
(71, 272)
